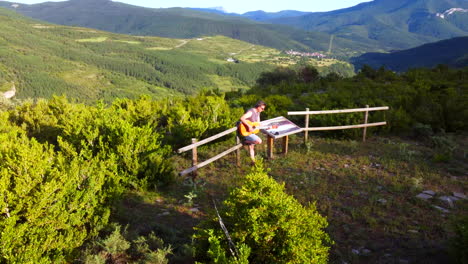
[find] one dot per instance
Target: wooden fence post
(366, 116)
(306, 132)
(270, 147)
(194, 158)
(238, 153)
(285, 144)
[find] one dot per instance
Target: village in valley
(306, 54)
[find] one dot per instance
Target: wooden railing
(195, 144)
(366, 111)
(307, 113)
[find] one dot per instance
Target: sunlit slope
(220, 48)
(41, 60)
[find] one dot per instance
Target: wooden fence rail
(207, 140)
(195, 144)
(203, 164)
(366, 111)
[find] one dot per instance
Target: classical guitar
(256, 128)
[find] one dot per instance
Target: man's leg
(251, 141)
(252, 152)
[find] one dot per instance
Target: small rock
(447, 200)
(365, 252)
(355, 251)
(194, 210)
(413, 231)
(459, 195)
(388, 255)
(443, 210)
(346, 166)
(159, 200)
(164, 214)
(424, 196)
(429, 192)
(382, 201)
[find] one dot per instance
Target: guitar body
(243, 129)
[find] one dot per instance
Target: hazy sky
(240, 6)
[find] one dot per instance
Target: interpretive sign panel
(284, 127)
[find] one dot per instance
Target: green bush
(424, 96)
(126, 134)
(118, 247)
(275, 226)
(51, 201)
(62, 167)
(444, 146)
(459, 245)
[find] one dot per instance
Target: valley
(89, 65)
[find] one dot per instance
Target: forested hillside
(41, 60)
(451, 52)
(390, 24)
(184, 23)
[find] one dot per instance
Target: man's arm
(243, 119)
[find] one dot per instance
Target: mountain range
(390, 24)
(181, 23)
(379, 25)
(452, 52)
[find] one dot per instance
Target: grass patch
(225, 83)
(4, 87)
(97, 39)
(129, 42)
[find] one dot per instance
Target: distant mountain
(184, 23)
(390, 24)
(452, 52)
(264, 16)
(215, 10)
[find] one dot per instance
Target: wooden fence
(307, 113)
(195, 144)
(366, 111)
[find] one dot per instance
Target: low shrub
(459, 245)
(272, 225)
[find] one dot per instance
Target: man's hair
(260, 103)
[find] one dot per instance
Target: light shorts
(252, 137)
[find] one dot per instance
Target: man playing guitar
(251, 116)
